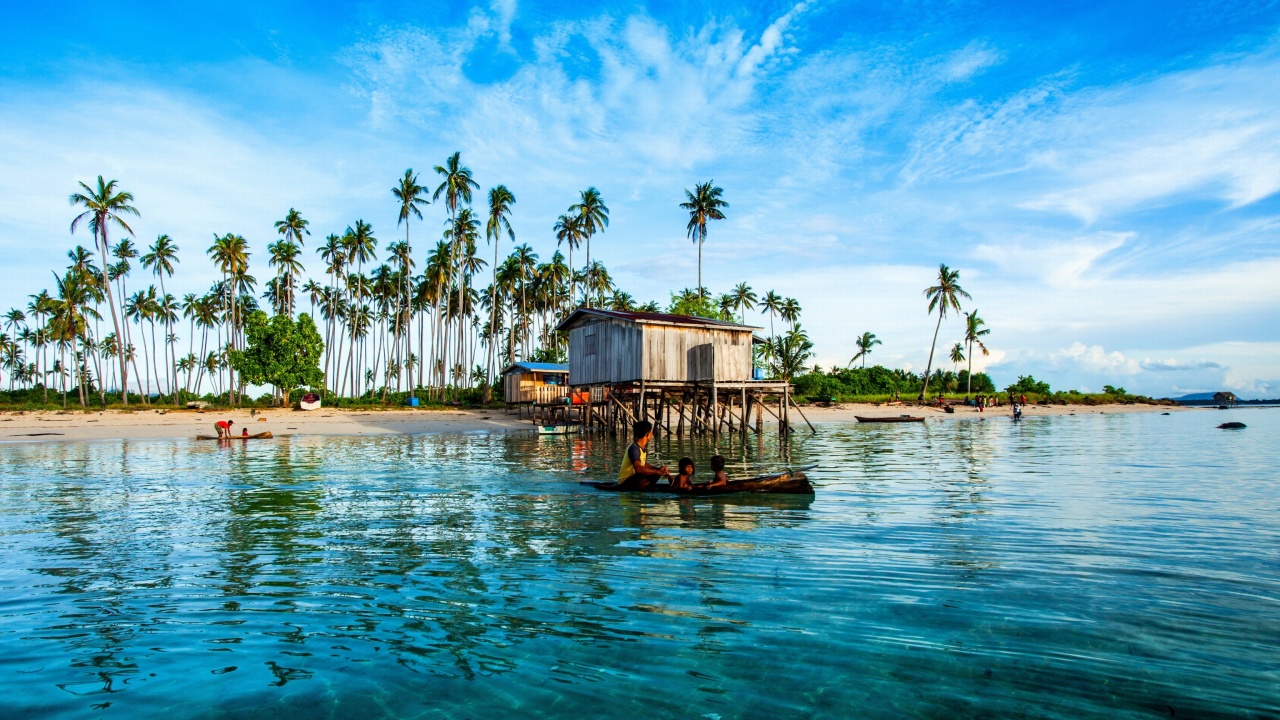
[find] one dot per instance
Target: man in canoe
(636, 474)
(224, 428)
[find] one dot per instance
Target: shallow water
(1124, 566)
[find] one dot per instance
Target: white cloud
(1095, 359)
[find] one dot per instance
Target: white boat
(557, 429)
(310, 401)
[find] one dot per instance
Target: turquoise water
(1072, 567)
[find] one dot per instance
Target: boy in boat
(636, 474)
(683, 481)
(224, 428)
(717, 467)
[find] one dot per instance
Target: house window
(591, 343)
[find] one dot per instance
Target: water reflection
(953, 569)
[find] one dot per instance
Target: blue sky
(1104, 175)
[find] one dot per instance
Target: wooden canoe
(899, 419)
(557, 429)
(260, 436)
(787, 483)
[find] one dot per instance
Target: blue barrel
(413, 402)
(757, 374)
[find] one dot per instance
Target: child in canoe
(636, 473)
(683, 481)
(717, 467)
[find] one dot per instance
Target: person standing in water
(636, 473)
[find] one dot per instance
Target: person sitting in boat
(244, 432)
(637, 474)
(224, 428)
(717, 467)
(684, 480)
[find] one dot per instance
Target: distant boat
(310, 401)
(557, 429)
(899, 419)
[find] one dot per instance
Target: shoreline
(77, 426)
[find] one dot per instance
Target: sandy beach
(75, 425)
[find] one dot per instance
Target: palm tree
(293, 227)
(790, 311)
(284, 257)
(411, 197)
(593, 217)
(703, 203)
(568, 229)
(162, 257)
(946, 294)
(456, 186)
(744, 299)
(771, 304)
(104, 206)
(230, 254)
(956, 355)
(500, 201)
(867, 341)
(790, 353)
(973, 334)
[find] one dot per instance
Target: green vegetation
(280, 352)
(878, 383)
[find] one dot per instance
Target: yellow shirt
(628, 468)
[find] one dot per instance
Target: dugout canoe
(787, 483)
(260, 436)
(899, 419)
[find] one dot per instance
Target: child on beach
(717, 467)
(224, 428)
(683, 481)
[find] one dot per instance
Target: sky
(1103, 175)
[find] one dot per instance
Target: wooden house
(533, 382)
(1224, 399)
(610, 347)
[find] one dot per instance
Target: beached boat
(899, 419)
(259, 436)
(310, 401)
(787, 483)
(557, 429)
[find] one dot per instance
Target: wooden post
(715, 410)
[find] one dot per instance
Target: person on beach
(684, 480)
(717, 467)
(636, 474)
(224, 428)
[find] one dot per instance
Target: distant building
(609, 347)
(1224, 399)
(534, 382)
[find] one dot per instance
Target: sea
(1100, 566)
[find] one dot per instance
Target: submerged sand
(75, 425)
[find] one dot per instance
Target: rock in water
(1231, 426)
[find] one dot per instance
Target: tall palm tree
(103, 207)
(744, 299)
(160, 260)
(568, 229)
(704, 203)
(790, 311)
(230, 254)
(772, 304)
(865, 342)
(593, 217)
(411, 196)
(973, 334)
(284, 257)
(500, 201)
(943, 296)
(456, 185)
(293, 227)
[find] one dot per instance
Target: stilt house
(610, 347)
(533, 382)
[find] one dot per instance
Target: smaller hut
(1224, 399)
(535, 383)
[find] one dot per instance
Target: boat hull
(788, 483)
(260, 436)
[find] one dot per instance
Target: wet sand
(169, 423)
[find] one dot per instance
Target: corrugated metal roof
(538, 367)
(654, 318)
